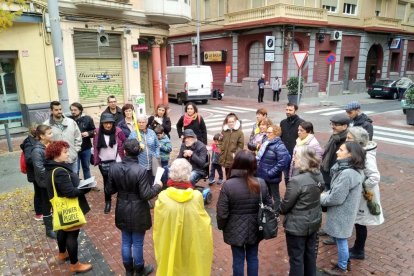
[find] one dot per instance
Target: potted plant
(292, 85)
(408, 105)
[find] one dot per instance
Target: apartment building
(370, 39)
(114, 47)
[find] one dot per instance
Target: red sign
(330, 58)
(140, 48)
(59, 82)
(300, 57)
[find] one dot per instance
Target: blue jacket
(151, 149)
(274, 160)
(165, 148)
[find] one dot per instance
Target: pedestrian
(113, 109)
(87, 129)
(257, 140)
(303, 214)
(289, 134)
(357, 118)
(342, 201)
(66, 129)
(130, 181)
(160, 117)
(261, 113)
(261, 84)
(183, 239)
(237, 209)
(233, 141)
(66, 181)
(107, 148)
(276, 88)
(165, 145)
(192, 120)
(215, 160)
(306, 137)
(127, 124)
(44, 136)
(372, 178)
(27, 147)
(272, 159)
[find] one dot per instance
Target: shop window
(350, 9)
(394, 62)
(256, 60)
(410, 62)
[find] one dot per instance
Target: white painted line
(394, 130)
(209, 124)
(368, 112)
(210, 137)
(214, 111)
(321, 110)
(244, 125)
(221, 118)
(242, 108)
(333, 112)
(231, 110)
(393, 141)
(409, 137)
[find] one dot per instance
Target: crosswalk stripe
(368, 112)
(393, 135)
(393, 140)
(333, 112)
(234, 110)
(321, 110)
(241, 108)
(245, 124)
(394, 130)
(215, 111)
(221, 118)
(214, 124)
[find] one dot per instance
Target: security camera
(101, 30)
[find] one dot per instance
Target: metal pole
(329, 80)
(9, 142)
(57, 43)
(300, 75)
(198, 31)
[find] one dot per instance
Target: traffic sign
(330, 58)
(300, 57)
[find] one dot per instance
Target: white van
(189, 83)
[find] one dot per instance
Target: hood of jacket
(180, 195)
(361, 118)
(236, 126)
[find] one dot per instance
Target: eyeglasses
(112, 102)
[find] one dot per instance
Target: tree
(9, 9)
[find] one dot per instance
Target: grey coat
(342, 200)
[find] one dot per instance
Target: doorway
(347, 68)
(374, 63)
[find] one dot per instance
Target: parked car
(384, 88)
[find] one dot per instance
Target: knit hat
(352, 106)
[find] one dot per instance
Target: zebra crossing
(331, 111)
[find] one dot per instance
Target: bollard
(9, 142)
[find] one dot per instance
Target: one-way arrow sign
(300, 57)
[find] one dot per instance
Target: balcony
(168, 12)
(379, 23)
(278, 13)
(120, 5)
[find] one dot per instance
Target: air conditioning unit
(194, 40)
(336, 35)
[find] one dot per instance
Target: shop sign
(214, 56)
(395, 43)
(139, 48)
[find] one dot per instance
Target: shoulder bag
(267, 220)
(373, 207)
(66, 211)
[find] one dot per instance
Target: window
(257, 3)
(206, 9)
(350, 9)
(394, 62)
(329, 8)
(410, 62)
(221, 8)
(256, 60)
(401, 11)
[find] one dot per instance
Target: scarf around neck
(305, 141)
(101, 138)
(331, 148)
(179, 185)
(188, 119)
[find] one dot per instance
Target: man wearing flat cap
(353, 109)
(196, 153)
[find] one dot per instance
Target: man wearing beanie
(353, 109)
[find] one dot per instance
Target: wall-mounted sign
(139, 48)
(395, 43)
(214, 56)
(270, 43)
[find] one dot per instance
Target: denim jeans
(213, 169)
(196, 176)
(84, 158)
(343, 252)
(248, 252)
(74, 165)
(132, 247)
(302, 254)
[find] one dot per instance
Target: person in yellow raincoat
(182, 230)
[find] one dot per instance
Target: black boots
(48, 221)
(143, 270)
(129, 269)
(107, 207)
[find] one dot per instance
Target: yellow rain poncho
(182, 234)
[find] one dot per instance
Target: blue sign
(330, 58)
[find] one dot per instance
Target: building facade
(365, 39)
(110, 48)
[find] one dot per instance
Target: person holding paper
(132, 184)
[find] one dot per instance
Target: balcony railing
(104, 4)
(274, 11)
(382, 22)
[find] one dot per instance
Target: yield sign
(300, 57)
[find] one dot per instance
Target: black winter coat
(38, 160)
(130, 180)
(301, 205)
(289, 128)
(27, 147)
(66, 183)
(166, 124)
(237, 210)
(198, 159)
(197, 125)
(124, 127)
(365, 122)
(85, 123)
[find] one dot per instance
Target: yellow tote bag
(66, 211)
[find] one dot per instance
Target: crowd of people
(341, 179)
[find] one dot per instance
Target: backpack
(23, 166)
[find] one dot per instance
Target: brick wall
(348, 51)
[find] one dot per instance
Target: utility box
(139, 103)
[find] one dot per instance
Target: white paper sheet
(87, 183)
